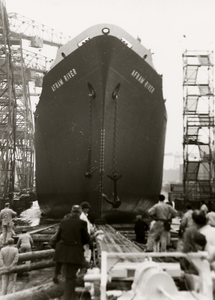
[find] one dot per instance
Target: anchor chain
(115, 177)
(114, 166)
(90, 170)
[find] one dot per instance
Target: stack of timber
(114, 241)
(44, 257)
(39, 260)
(126, 229)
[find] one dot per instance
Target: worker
(200, 243)
(6, 216)
(72, 235)
(85, 206)
(211, 218)
(207, 230)
(25, 242)
(187, 238)
(200, 225)
(203, 207)
(162, 214)
(186, 220)
(140, 228)
(9, 259)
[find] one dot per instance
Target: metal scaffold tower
(8, 108)
(20, 70)
(16, 122)
(198, 120)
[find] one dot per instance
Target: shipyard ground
(115, 242)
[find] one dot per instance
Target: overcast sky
(167, 27)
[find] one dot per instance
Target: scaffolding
(198, 123)
(20, 70)
(16, 122)
(7, 108)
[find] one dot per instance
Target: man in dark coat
(72, 235)
(140, 227)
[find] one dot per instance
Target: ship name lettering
(70, 74)
(149, 87)
(137, 76)
(142, 80)
(57, 84)
(65, 78)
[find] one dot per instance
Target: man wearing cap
(72, 235)
(8, 259)
(6, 216)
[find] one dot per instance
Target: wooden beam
(44, 228)
(37, 230)
(41, 237)
(28, 267)
(36, 255)
(42, 292)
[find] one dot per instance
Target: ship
(100, 127)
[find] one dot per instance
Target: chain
(92, 96)
(115, 97)
(90, 136)
(115, 139)
(114, 177)
(101, 171)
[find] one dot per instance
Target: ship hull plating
(100, 130)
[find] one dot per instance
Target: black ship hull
(100, 130)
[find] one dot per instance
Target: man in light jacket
(8, 258)
(6, 216)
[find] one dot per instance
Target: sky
(167, 27)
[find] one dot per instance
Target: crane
(36, 32)
(19, 67)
